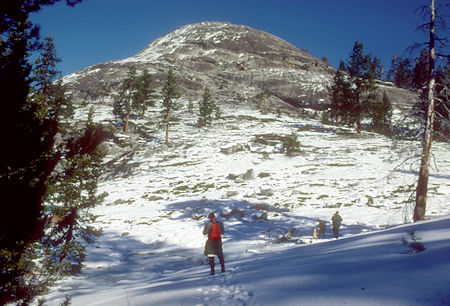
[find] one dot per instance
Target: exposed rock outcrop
(238, 64)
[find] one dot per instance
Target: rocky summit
(237, 63)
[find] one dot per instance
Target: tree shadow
(434, 175)
(250, 221)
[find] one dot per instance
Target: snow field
(151, 250)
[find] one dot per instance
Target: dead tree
(422, 183)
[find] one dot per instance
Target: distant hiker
(214, 229)
(337, 219)
(322, 227)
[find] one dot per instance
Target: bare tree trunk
(422, 183)
(265, 112)
(358, 127)
(127, 117)
(167, 130)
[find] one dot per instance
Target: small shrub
(291, 144)
(412, 241)
(325, 119)
(266, 155)
(180, 189)
(122, 201)
(263, 175)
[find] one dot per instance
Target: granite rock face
(237, 63)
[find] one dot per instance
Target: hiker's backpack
(214, 234)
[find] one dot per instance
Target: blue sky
(96, 31)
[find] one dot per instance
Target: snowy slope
(151, 250)
(367, 269)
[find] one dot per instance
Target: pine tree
(420, 71)
(29, 158)
(378, 68)
(26, 162)
(354, 89)
(72, 195)
(123, 99)
(190, 106)
(135, 95)
(391, 72)
(169, 103)
(361, 71)
(403, 73)
(143, 96)
(442, 109)
(291, 144)
(45, 72)
(341, 96)
(206, 109)
(380, 113)
(49, 95)
(104, 92)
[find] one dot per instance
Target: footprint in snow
(225, 289)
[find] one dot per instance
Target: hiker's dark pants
(336, 232)
(221, 260)
(214, 248)
(322, 232)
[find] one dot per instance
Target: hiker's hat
(211, 216)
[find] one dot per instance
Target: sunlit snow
(151, 249)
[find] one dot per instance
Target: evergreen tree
(169, 103)
(353, 93)
(420, 71)
(143, 96)
(391, 72)
(123, 99)
(380, 113)
(29, 158)
(291, 144)
(190, 106)
(442, 105)
(26, 162)
(442, 109)
(72, 195)
(104, 91)
(361, 71)
(44, 69)
(378, 68)
(341, 96)
(49, 95)
(403, 73)
(441, 124)
(217, 112)
(206, 109)
(134, 95)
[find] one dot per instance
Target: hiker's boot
(211, 264)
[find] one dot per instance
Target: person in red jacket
(214, 229)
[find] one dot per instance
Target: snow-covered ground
(151, 250)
